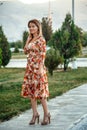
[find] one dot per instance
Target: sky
(15, 14)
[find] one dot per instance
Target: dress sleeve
(42, 51)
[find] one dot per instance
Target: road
(21, 63)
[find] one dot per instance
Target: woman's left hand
(41, 69)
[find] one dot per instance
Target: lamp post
(49, 14)
(74, 63)
(73, 10)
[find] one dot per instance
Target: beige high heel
(46, 120)
(34, 119)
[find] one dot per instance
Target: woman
(35, 85)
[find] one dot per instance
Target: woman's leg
(46, 118)
(35, 113)
(44, 105)
(34, 106)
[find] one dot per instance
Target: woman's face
(33, 28)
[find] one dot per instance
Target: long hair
(38, 24)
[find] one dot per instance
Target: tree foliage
(4, 45)
(84, 42)
(25, 35)
(67, 40)
(0, 57)
(52, 60)
(46, 28)
(17, 43)
(16, 50)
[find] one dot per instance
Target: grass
(20, 55)
(11, 103)
(83, 56)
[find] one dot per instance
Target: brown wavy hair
(38, 24)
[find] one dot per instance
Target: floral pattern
(35, 84)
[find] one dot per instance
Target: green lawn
(11, 103)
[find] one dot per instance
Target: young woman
(35, 85)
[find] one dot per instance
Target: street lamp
(73, 10)
(74, 63)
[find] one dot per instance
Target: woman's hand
(25, 51)
(41, 69)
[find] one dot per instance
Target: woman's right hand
(25, 50)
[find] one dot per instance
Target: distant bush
(16, 50)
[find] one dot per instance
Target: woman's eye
(31, 26)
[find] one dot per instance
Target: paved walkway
(66, 111)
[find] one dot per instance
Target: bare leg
(44, 104)
(35, 113)
(34, 106)
(46, 118)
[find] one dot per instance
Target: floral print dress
(35, 84)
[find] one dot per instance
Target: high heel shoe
(46, 120)
(34, 118)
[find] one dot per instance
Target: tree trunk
(65, 64)
(51, 72)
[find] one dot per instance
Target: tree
(4, 45)
(17, 43)
(16, 49)
(0, 57)
(46, 28)
(67, 40)
(52, 60)
(84, 42)
(25, 35)
(12, 44)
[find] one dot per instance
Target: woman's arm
(42, 53)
